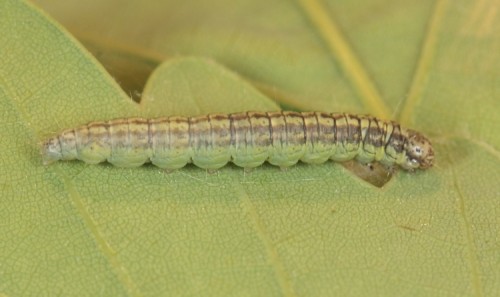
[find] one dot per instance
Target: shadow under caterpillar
(247, 139)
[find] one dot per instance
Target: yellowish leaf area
(72, 229)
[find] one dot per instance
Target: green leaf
(192, 86)
(73, 229)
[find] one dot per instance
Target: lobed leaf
(75, 230)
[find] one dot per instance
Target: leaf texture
(78, 230)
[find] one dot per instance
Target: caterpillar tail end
(51, 151)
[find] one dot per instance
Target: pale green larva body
(246, 139)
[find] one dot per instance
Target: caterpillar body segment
(246, 139)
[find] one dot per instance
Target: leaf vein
(105, 247)
(471, 247)
(424, 63)
(272, 253)
(330, 33)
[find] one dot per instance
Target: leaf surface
(74, 229)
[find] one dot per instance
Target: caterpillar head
(51, 151)
(419, 152)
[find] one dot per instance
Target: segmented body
(246, 139)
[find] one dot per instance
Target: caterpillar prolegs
(246, 139)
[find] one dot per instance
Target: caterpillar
(246, 139)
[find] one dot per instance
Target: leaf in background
(75, 229)
(194, 86)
